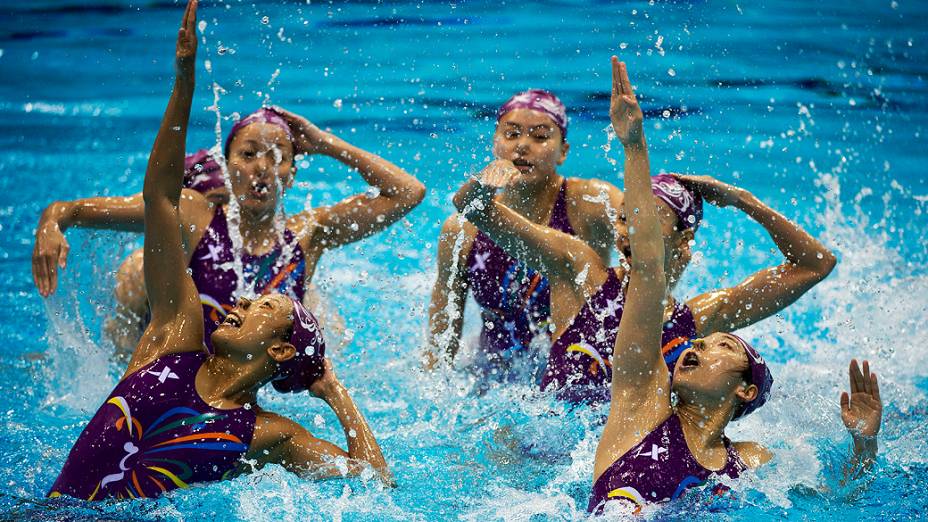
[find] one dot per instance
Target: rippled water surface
(819, 108)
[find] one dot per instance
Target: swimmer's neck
(223, 383)
(533, 200)
(704, 426)
(259, 230)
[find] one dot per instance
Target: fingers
(845, 403)
(51, 273)
(855, 377)
(39, 275)
(190, 16)
(626, 83)
(63, 255)
(875, 386)
(616, 81)
(866, 378)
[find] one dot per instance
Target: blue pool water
(819, 108)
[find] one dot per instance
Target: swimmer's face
(256, 330)
(713, 372)
(677, 252)
(532, 141)
(260, 165)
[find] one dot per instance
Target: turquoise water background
(819, 108)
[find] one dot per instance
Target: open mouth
(523, 165)
(233, 319)
(260, 190)
(690, 360)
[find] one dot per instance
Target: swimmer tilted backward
(181, 415)
(652, 451)
(587, 295)
(260, 154)
(531, 131)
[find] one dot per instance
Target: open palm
(862, 408)
(186, 54)
(624, 110)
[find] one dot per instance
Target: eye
(541, 137)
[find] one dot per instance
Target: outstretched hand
(716, 192)
(309, 138)
(185, 56)
(862, 409)
(498, 174)
(624, 111)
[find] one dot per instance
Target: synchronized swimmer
(533, 246)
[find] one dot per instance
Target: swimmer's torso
(282, 270)
(579, 364)
(514, 299)
(153, 434)
(657, 469)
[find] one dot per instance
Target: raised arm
(110, 213)
(553, 253)
(767, 291)
(640, 380)
(449, 295)
(177, 320)
(862, 414)
(304, 454)
(361, 215)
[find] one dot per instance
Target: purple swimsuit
(153, 434)
(580, 361)
(514, 299)
(658, 469)
(280, 270)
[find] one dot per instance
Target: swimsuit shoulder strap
(559, 219)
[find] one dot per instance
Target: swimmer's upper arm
(753, 454)
(282, 441)
(450, 284)
(598, 205)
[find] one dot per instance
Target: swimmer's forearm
(392, 181)
(797, 245)
(645, 238)
(111, 213)
(165, 173)
(863, 455)
(362, 445)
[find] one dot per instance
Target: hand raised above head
(716, 192)
(186, 53)
(624, 112)
(309, 138)
(327, 383)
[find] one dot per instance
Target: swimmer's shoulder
(590, 196)
(451, 229)
(196, 213)
(752, 453)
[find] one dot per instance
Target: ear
(281, 351)
(565, 147)
(746, 393)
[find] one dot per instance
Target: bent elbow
(829, 261)
(416, 194)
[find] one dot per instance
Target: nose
(243, 303)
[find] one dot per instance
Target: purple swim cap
(537, 100)
(760, 377)
(262, 115)
(202, 172)
(685, 203)
(296, 374)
